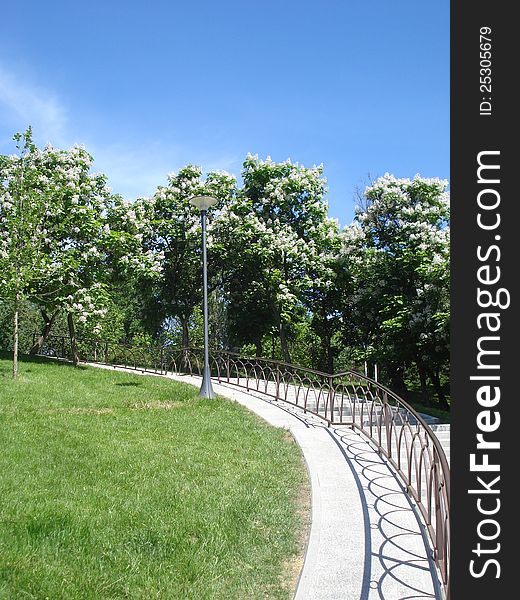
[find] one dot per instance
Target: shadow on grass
(129, 384)
(41, 360)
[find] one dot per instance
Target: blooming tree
(69, 233)
(25, 249)
(174, 232)
(274, 237)
(242, 248)
(75, 227)
(397, 255)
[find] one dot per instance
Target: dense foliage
(285, 280)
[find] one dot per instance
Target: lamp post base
(206, 389)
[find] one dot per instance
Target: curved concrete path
(366, 540)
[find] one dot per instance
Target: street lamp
(203, 203)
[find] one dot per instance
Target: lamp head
(203, 202)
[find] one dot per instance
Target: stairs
(442, 433)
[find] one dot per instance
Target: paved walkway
(366, 540)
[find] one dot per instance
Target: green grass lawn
(444, 416)
(416, 400)
(114, 485)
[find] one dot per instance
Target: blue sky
(147, 87)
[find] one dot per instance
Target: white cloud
(131, 171)
(135, 166)
(233, 164)
(23, 104)
(135, 170)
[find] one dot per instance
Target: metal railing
(347, 399)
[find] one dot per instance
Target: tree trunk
(397, 380)
(436, 381)
(422, 378)
(73, 345)
(40, 340)
(15, 336)
(325, 358)
(258, 346)
(185, 343)
(284, 343)
(329, 354)
(283, 327)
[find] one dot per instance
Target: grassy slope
(120, 486)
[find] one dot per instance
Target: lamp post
(203, 203)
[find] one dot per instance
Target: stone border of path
(366, 540)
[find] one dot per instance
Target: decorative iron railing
(348, 399)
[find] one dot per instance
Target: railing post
(386, 425)
(227, 367)
(331, 401)
(277, 382)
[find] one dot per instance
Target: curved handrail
(348, 398)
